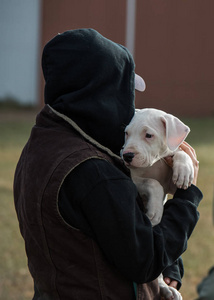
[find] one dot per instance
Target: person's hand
(171, 282)
(191, 152)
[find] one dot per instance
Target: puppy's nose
(128, 156)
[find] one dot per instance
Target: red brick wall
(108, 17)
(174, 49)
(175, 54)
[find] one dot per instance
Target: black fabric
(90, 79)
(175, 271)
(64, 262)
(100, 200)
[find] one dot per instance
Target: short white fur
(152, 135)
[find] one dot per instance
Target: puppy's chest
(159, 171)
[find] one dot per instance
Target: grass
(199, 256)
(15, 280)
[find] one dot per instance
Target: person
(86, 234)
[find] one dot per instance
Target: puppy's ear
(176, 131)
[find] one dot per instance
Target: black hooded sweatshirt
(90, 80)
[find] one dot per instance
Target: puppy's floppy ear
(176, 131)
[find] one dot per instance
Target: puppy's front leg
(151, 192)
(183, 171)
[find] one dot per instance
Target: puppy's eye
(149, 136)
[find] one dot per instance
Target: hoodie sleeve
(175, 271)
(101, 201)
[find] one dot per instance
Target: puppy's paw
(154, 216)
(183, 171)
(170, 293)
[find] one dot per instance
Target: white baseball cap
(140, 84)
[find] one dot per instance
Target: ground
(15, 280)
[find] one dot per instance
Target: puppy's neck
(165, 151)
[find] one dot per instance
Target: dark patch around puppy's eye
(148, 136)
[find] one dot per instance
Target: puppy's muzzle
(128, 157)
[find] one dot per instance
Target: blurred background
(173, 47)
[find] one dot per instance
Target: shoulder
(100, 169)
(95, 174)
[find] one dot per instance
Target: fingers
(185, 144)
(167, 280)
(192, 154)
(170, 282)
(173, 284)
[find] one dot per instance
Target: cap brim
(140, 84)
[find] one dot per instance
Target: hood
(91, 80)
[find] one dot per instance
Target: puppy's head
(152, 134)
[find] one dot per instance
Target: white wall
(19, 49)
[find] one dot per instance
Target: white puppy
(152, 135)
